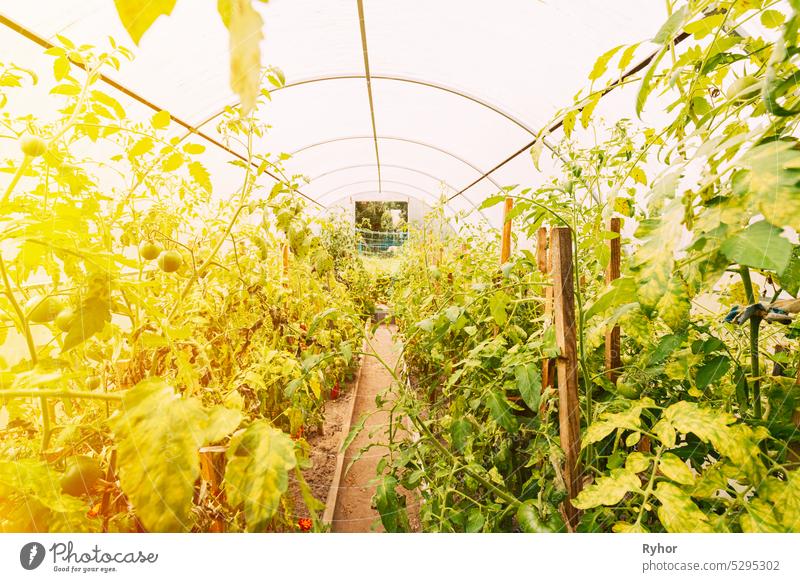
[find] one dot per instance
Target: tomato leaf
(137, 16)
(257, 475)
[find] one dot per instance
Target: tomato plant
(696, 434)
(146, 316)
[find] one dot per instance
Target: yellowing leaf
(772, 18)
(676, 469)
(194, 148)
(678, 513)
(172, 162)
(141, 147)
(244, 25)
(608, 490)
(257, 475)
(157, 443)
(160, 120)
(200, 175)
(639, 176)
(138, 16)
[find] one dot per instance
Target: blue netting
(371, 242)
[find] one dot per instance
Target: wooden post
(505, 249)
(212, 468)
(286, 264)
(543, 263)
(569, 412)
(613, 360)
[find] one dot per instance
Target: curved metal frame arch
(400, 79)
(401, 139)
(430, 84)
(394, 166)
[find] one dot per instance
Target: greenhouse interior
(354, 266)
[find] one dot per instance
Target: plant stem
(44, 394)
(26, 331)
(21, 170)
(755, 323)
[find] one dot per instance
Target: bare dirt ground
(354, 511)
(324, 444)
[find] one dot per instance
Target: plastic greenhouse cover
(458, 85)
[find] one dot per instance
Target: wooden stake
(613, 360)
(286, 264)
(569, 412)
(505, 250)
(543, 263)
(212, 468)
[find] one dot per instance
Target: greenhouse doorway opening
(381, 227)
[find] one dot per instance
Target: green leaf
(676, 469)
(460, 431)
(138, 16)
(157, 454)
(601, 64)
(712, 371)
(666, 345)
(759, 246)
(704, 26)
(492, 201)
(789, 278)
(94, 312)
(529, 384)
(678, 513)
(774, 175)
(501, 411)
(257, 474)
(608, 489)
(497, 306)
(244, 26)
(620, 292)
(671, 27)
(391, 506)
(475, 521)
(645, 89)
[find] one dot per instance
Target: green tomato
(628, 389)
(149, 250)
(32, 145)
(170, 261)
(43, 309)
(93, 382)
(529, 519)
(65, 319)
(81, 477)
(556, 523)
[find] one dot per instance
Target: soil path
(354, 512)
